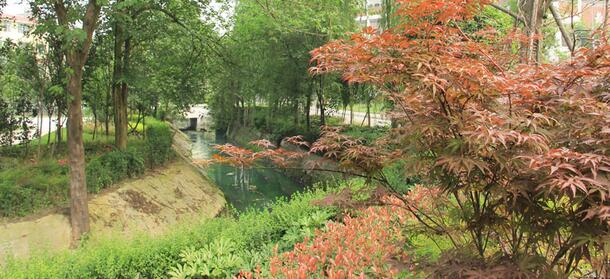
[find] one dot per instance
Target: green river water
(255, 187)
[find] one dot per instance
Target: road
(360, 119)
(45, 129)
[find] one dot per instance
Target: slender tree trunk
(368, 111)
(564, 33)
(120, 89)
(320, 94)
(533, 12)
(94, 124)
(50, 126)
(39, 121)
(308, 112)
(79, 210)
(59, 132)
(351, 113)
(107, 110)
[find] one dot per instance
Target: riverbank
(151, 204)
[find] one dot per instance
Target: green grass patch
(376, 107)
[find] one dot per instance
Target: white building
(371, 15)
(16, 28)
(587, 16)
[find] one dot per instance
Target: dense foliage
(263, 81)
(17, 90)
(158, 144)
(111, 168)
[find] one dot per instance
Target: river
(255, 188)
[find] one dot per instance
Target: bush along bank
(154, 150)
(29, 184)
(225, 245)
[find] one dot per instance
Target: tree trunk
(320, 94)
(58, 133)
(40, 120)
(308, 112)
(50, 126)
(564, 33)
(351, 113)
(79, 211)
(94, 123)
(76, 56)
(107, 110)
(119, 89)
(533, 15)
(368, 111)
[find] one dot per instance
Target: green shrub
(15, 200)
(367, 134)
(215, 260)
(113, 167)
(26, 187)
(398, 178)
(158, 143)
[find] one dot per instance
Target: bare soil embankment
(151, 204)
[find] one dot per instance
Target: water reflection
(243, 188)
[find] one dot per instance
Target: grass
(87, 137)
(376, 107)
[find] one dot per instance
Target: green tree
(75, 22)
(264, 71)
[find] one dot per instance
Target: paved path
(44, 129)
(377, 119)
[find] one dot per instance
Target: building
(16, 28)
(585, 15)
(371, 15)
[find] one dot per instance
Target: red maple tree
(521, 149)
(518, 149)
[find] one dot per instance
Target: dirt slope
(152, 203)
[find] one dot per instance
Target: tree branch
(89, 25)
(562, 29)
(508, 12)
